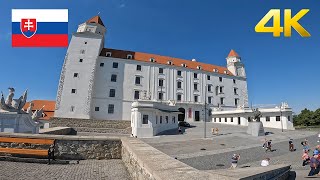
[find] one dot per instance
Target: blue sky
(278, 69)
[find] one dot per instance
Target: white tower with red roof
(76, 85)
(234, 64)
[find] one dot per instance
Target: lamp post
(205, 111)
(281, 119)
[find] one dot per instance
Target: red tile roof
(233, 54)
(48, 110)
(145, 57)
(96, 19)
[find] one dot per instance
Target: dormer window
(129, 56)
(169, 62)
(108, 54)
(183, 65)
(199, 67)
(226, 72)
(215, 70)
(152, 60)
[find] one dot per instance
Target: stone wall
(88, 149)
(73, 147)
(93, 125)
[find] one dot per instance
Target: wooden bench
(49, 153)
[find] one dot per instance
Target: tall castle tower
(234, 64)
(74, 96)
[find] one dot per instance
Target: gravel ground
(86, 170)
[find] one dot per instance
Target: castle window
(138, 67)
(267, 118)
(226, 72)
(195, 75)
(152, 60)
(72, 108)
(160, 119)
(236, 102)
(169, 62)
(221, 89)
(113, 78)
(199, 67)
(110, 108)
(108, 54)
(222, 101)
(179, 97)
(101, 64)
(179, 73)
(235, 90)
(195, 86)
(73, 91)
(208, 77)
(183, 65)
(179, 84)
(220, 79)
(195, 98)
(138, 79)
(225, 119)
(75, 74)
(145, 119)
(231, 119)
(129, 56)
(209, 88)
(160, 96)
(209, 100)
(96, 108)
(167, 119)
(115, 65)
(160, 82)
(277, 118)
(173, 119)
(80, 60)
(215, 70)
(82, 51)
(136, 94)
(112, 93)
(160, 70)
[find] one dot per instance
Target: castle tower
(74, 96)
(234, 64)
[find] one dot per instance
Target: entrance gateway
(181, 117)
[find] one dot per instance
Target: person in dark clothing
(291, 146)
(314, 163)
(269, 146)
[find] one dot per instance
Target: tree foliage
(307, 118)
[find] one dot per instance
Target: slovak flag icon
(28, 27)
(39, 28)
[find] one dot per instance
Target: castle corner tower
(74, 96)
(234, 64)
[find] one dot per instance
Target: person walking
(234, 161)
(305, 158)
(291, 146)
(265, 143)
(305, 145)
(269, 146)
(314, 163)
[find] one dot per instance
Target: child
(291, 146)
(305, 158)
(234, 161)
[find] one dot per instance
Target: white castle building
(102, 83)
